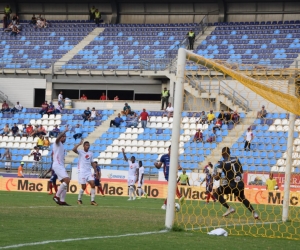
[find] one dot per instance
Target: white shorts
(131, 180)
(60, 172)
(139, 183)
(83, 178)
(8, 164)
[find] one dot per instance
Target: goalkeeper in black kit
(231, 182)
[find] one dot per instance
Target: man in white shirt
(85, 162)
(169, 111)
(132, 174)
(248, 138)
(141, 172)
(93, 114)
(60, 98)
(17, 108)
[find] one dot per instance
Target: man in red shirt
(198, 137)
(144, 116)
(44, 108)
(84, 97)
(29, 130)
(5, 107)
(103, 97)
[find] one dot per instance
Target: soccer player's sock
(62, 187)
(165, 202)
(178, 194)
(133, 192)
(63, 195)
(140, 192)
(130, 192)
(80, 194)
(50, 186)
(92, 194)
(207, 197)
(55, 188)
(101, 190)
(248, 205)
(222, 201)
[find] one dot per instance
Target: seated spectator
(228, 117)
(212, 136)
(218, 124)
(117, 121)
(84, 97)
(236, 117)
(51, 109)
(5, 130)
(41, 131)
(93, 114)
(41, 22)
(46, 143)
(15, 31)
(198, 137)
(126, 109)
(44, 108)
(221, 116)
(17, 108)
(40, 142)
(29, 130)
(202, 119)
(34, 131)
(15, 130)
(55, 131)
(116, 98)
(86, 114)
(210, 117)
(169, 111)
(78, 132)
(5, 107)
(103, 97)
(24, 131)
(134, 121)
(33, 20)
(262, 113)
(15, 20)
(58, 108)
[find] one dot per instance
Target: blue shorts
(97, 182)
(53, 179)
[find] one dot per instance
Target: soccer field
(34, 221)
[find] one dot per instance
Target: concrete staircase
(202, 37)
(229, 140)
(92, 137)
(86, 41)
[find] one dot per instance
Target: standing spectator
(5, 107)
(116, 98)
(126, 109)
(103, 97)
(222, 116)
(144, 116)
(46, 143)
(236, 117)
(83, 97)
(86, 114)
(165, 98)
(97, 17)
(191, 37)
(93, 114)
(41, 130)
(78, 132)
(8, 157)
(198, 137)
(60, 99)
(134, 121)
(210, 117)
(117, 121)
(5, 21)
(271, 183)
(44, 108)
(17, 108)
(33, 20)
(20, 170)
(51, 109)
(248, 138)
(6, 130)
(7, 11)
(55, 131)
(58, 108)
(92, 13)
(212, 136)
(29, 130)
(40, 142)
(202, 119)
(169, 111)
(37, 157)
(15, 130)
(262, 113)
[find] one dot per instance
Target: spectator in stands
(212, 136)
(262, 113)
(78, 132)
(83, 97)
(5, 107)
(24, 131)
(29, 130)
(7, 11)
(55, 131)
(41, 22)
(126, 109)
(37, 157)
(5, 21)
(44, 108)
(202, 119)
(15, 21)
(165, 98)
(51, 109)
(46, 143)
(92, 13)
(248, 138)
(86, 114)
(6, 130)
(93, 114)
(116, 98)
(33, 20)
(60, 99)
(228, 117)
(103, 97)
(117, 121)
(210, 117)
(40, 142)
(41, 130)
(8, 157)
(97, 17)
(191, 38)
(169, 111)
(15, 130)
(236, 117)
(198, 137)
(218, 124)
(58, 108)
(221, 116)
(133, 121)
(17, 108)
(15, 31)
(34, 131)
(144, 116)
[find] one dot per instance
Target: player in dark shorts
(209, 182)
(98, 178)
(52, 180)
(232, 183)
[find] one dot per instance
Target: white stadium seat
(134, 142)
(108, 155)
(154, 150)
(107, 161)
(121, 142)
(45, 117)
(152, 125)
(122, 136)
(185, 120)
(25, 158)
(171, 119)
(186, 126)
(128, 136)
(152, 119)
(16, 145)
(45, 152)
(58, 117)
(9, 145)
(297, 122)
(134, 136)
(141, 150)
(134, 149)
(147, 150)
(154, 144)
(277, 122)
(162, 151)
(135, 130)
(285, 128)
(45, 122)
(141, 130)
(101, 161)
(108, 149)
(279, 128)
(102, 155)
(161, 144)
(166, 125)
(158, 119)
(280, 162)
(147, 143)
(165, 119)
(128, 130)
(272, 128)
(159, 125)
(116, 142)
(193, 126)
(204, 126)
(285, 122)
(32, 122)
(115, 149)
(3, 144)
(51, 117)
(274, 169)
(114, 155)
(22, 145)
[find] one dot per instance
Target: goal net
(239, 123)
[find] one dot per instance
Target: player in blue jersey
(208, 170)
(52, 180)
(97, 176)
(165, 162)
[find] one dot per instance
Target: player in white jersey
(85, 162)
(59, 167)
(132, 174)
(141, 172)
